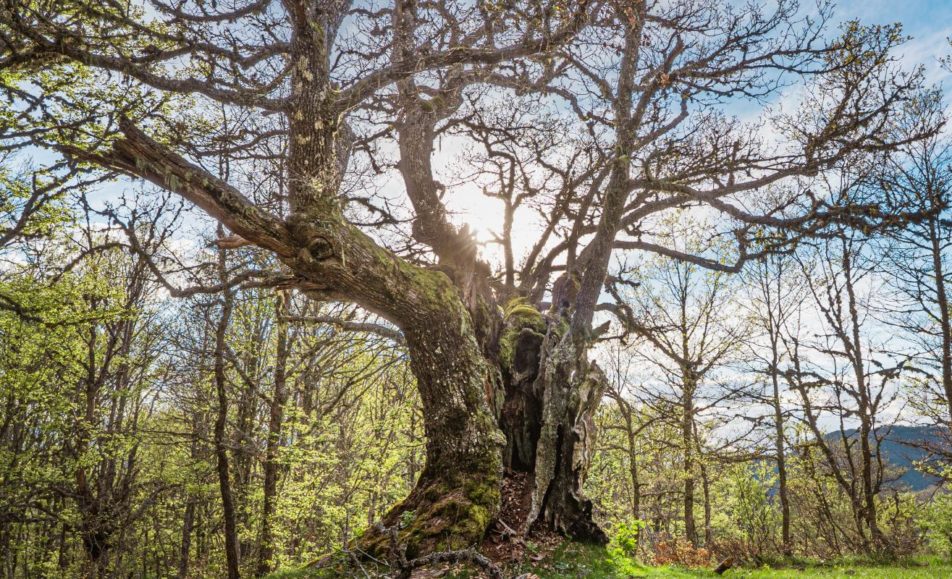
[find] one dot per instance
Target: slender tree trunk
(780, 450)
(7, 562)
(201, 535)
(706, 489)
(188, 523)
(188, 520)
(687, 441)
(221, 450)
(278, 399)
(865, 409)
(869, 495)
(945, 325)
(633, 467)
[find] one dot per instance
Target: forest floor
(573, 560)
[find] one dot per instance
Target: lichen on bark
(571, 387)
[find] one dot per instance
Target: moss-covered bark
(480, 372)
(447, 510)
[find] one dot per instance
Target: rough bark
(458, 492)
(572, 388)
(448, 318)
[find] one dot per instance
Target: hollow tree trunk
(232, 555)
(541, 391)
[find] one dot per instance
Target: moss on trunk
(446, 511)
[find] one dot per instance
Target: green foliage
(64, 368)
(936, 522)
(625, 538)
(26, 209)
(745, 514)
(748, 516)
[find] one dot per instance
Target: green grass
(573, 560)
(850, 572)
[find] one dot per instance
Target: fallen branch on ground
(398, 559)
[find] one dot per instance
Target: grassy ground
(575, 560)
(580, 561)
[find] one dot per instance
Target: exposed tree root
(438, 516)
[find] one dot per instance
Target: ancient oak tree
(588, 120)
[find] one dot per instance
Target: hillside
(904, 447)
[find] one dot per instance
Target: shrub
(682, 553)
(626, 538)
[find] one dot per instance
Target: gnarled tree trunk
(452, 326)
(526, 410)
(457, 495)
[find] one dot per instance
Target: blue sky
(929, 22)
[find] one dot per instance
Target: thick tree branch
(140, 156)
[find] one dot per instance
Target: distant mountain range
(902, 447)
